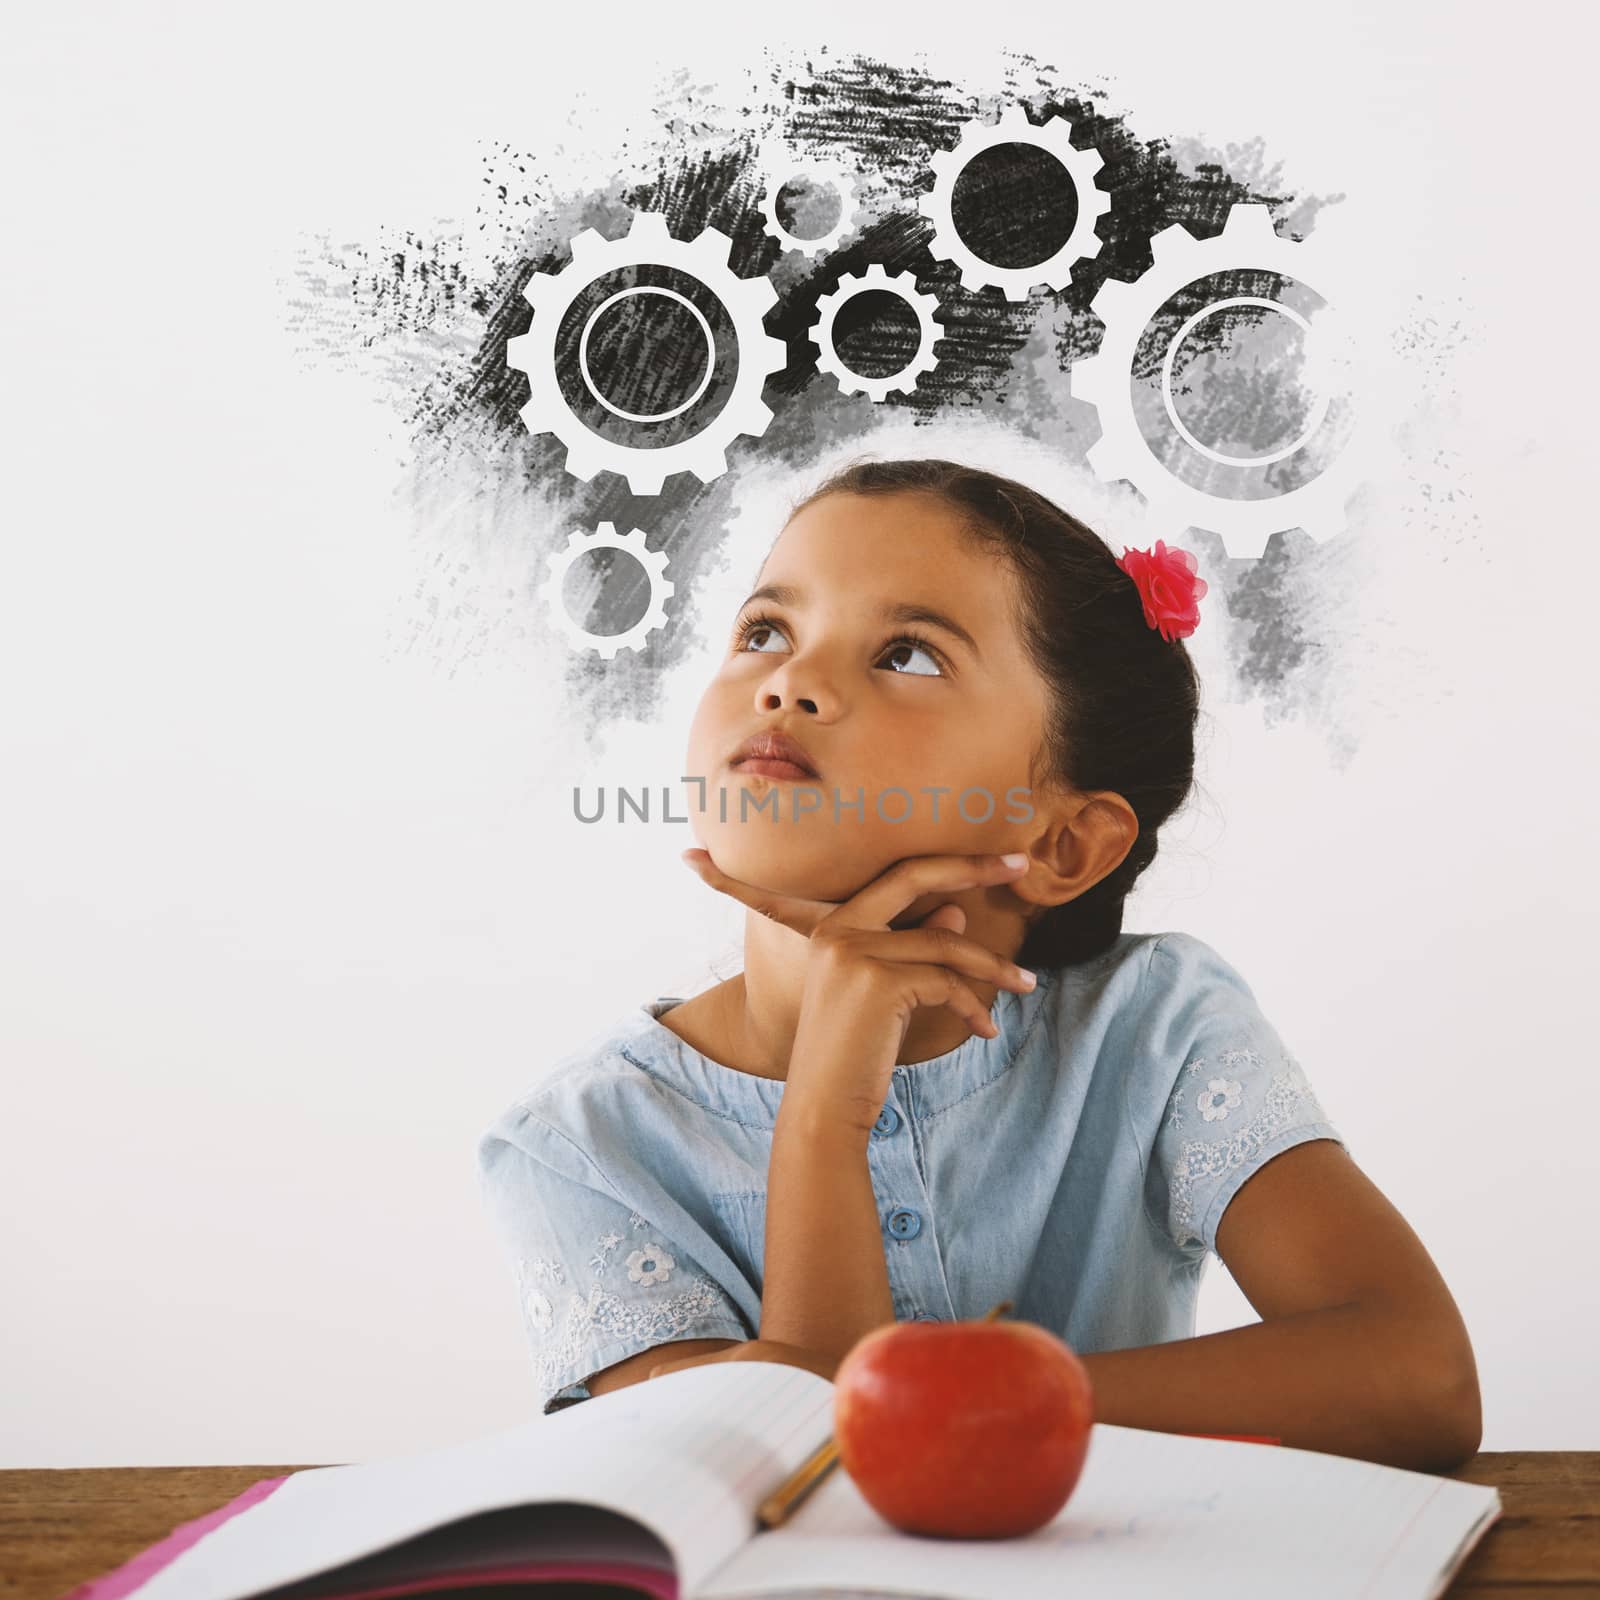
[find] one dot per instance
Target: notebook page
(1153, 1513)
(690, 1455)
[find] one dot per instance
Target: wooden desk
(61, 1526)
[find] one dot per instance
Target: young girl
(945, 732)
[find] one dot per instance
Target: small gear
(1247, 241)
(1053, 136)
(648, 243)
(781, 168)
(606, 537)
(903, 284)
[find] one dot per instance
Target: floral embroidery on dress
(1288, 1100)
(636, 1221)
(608, 1243)
(540, 1312)
(599, 1318)
(651, 1265)
(540, 1268)
(1237, 1060)
(1174, 1116)
(531, 1271)
(1218, 1098)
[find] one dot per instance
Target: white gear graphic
(648, 243)
(1052, 136)
(903, 284)
(1248, 240)
(782, 167)
(605, 537)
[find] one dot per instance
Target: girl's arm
(1362, 1351)
(826, 1282)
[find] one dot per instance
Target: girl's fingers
(891, 892)
(793, 911)
(939, 986)
(879, 902)
(946, 948)
(937, 940)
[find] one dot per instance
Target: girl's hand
(864, 979)
(789, 1355)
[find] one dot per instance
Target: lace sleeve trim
(564, 1342)
(1207, 1087)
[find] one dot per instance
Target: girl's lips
(769, 768)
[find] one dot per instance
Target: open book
(652, 1489)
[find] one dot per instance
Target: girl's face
(955, 706)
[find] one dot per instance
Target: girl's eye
(913, 642)
(910, 641)
(750, 628)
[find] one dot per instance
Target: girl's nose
(799, 685)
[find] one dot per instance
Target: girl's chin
(809, 874)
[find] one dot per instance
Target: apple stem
(995, 1312)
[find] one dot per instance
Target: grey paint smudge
(426, 317)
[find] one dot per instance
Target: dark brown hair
(1125, 701)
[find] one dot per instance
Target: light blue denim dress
(1077, 1165)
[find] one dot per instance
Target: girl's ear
(1086, 836)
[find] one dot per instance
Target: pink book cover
(139, 1569)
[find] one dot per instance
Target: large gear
(781, 167)
(1247, 241)
(606, 537)
(902, 284)
(648, 243)
(1053, 137)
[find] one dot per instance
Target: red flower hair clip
(1168, 587)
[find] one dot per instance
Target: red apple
(963, 1430)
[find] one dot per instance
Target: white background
(287, 916)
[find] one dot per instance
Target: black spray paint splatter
(434, 323)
